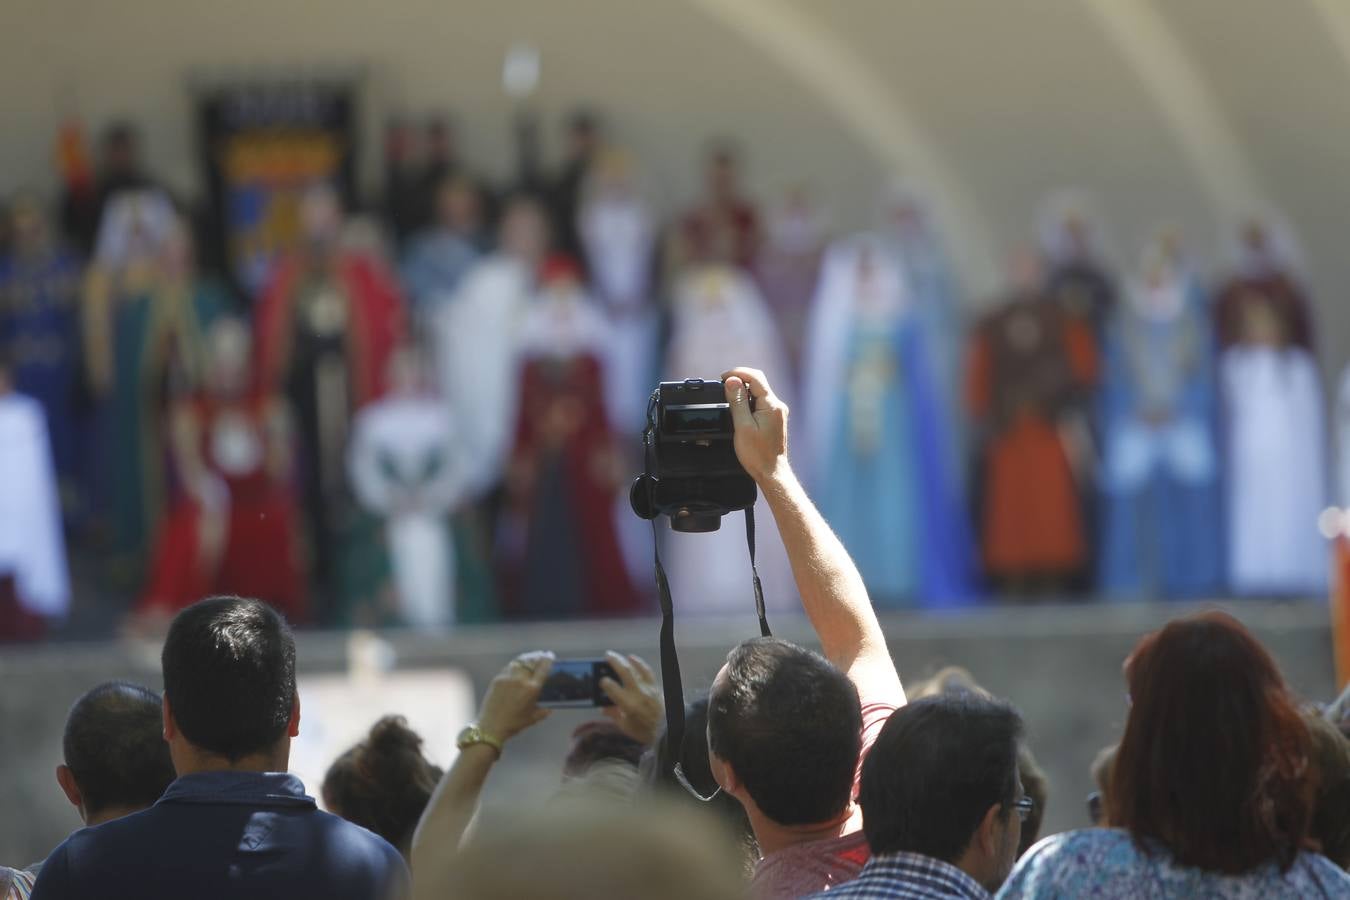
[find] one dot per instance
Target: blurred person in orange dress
(1031, 363)
(234, 527)
(326, 326)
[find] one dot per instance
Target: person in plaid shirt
(942, 802)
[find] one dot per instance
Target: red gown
(376, 326)
(260, 556)
(565, 558)
(727, 235)
(1281, 292)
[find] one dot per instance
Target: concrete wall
(1059, 664)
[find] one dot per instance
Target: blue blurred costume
(1161, 529)
(879, 446)
(39, 325)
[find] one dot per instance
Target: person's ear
(170, 726)
(987, 836)
(293, 729)
(723, 773)
(66, 779)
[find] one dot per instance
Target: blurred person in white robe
(475, 336)
(404, 467)
(1276, 435)
(618, 231)
(34, 579)
(906, 224)
(719, 318)
(788, 264)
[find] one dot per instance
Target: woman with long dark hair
(1211, 793)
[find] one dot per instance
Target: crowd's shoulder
(1112, 864)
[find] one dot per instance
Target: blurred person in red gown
(233, 529)
(1265, 259)
(326, 326)
(725, 226)
(560, 550)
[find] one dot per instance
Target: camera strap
(672, 685)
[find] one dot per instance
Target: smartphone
(575, 683)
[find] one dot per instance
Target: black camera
(693, 475)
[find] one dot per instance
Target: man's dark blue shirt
(217, 835)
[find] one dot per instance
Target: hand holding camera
(760, 424)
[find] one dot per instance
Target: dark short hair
(384, 782)
(583, 121)
(1214, 760)
(936, 768)
(596, 741)
(229, 674)
(114, 747)
(121, 132)
(789, 723)
(692, 755)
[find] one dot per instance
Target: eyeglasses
(1094, 807)
(1024, 807)
(693, 791)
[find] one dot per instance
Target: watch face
(467, 736)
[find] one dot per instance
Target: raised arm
(511, 706)
(831, 588)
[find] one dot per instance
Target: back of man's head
(935, 770)
(114, 748)
(788, 723)
(229, 676)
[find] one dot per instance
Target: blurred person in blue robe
(440, 256)
(906, 223)
(40, 328)
(1161, 526)
(146, 312)
(875, 435)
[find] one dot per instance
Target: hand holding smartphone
(575, 684)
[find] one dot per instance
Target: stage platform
(1060, 663)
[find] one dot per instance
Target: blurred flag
(72, 158)
(1340, 609)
